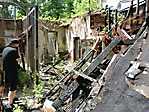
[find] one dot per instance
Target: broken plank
(94, 93)
(107, 73)
(127, 42)
(76, 67)
(126, 34)
(84, 76)
(115, 85)
(65, 95)
(101, 57)
(131, 41)
(134, 50)
(133, 70)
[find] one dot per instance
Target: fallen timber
(66, 91)
(68, 86)
(135, 50)
(123, 98)
(96, 84)
(77, 66)
(101, 57)
(94, 94)
(71, 85)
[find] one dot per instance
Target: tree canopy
(57, 9)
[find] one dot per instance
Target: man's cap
(14, 41)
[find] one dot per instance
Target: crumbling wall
(61, 39)
(9, 28)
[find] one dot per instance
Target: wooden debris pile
(81, 88)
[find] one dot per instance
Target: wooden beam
(108, 71)
(98, 85)
(126, 34)
(101, 57)
(77, 66)
(115, 82)
(84, 76)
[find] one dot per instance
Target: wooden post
(138, 7)
(32, 41)
(36, 43)
(130, 10)
(35, 36)
(22, 53)
(31, 22)
(147, 10)
(106, 16)
(109, 18)
(27, 42)
(116, 19)
(131, 15)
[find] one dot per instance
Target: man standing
(9, 56)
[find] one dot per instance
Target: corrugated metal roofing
(126, 4)
(120, 4)
(5, 0)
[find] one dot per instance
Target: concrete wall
(47, 45)
(78, 27)
(42, 45)
(52, 46)
(61, 39)
(10, 27)
(83, 27)
(7, 29)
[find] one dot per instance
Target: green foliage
(25, 5)
(99, 4)
(120, 18)
(38, 90)
(24, 79)
(82, 6)
(7, 11)
(17, 109)
(52, 8)
(69, 8)
(58, 9)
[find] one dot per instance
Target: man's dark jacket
(9, 56)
